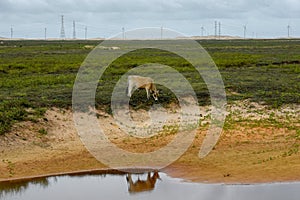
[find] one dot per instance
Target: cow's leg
(129, 179)
(149, 176)
(148, 95)
(129, 89)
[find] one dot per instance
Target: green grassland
(41, 74)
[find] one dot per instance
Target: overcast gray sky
(104, 18)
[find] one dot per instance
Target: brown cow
(137, 82)
(142, 185)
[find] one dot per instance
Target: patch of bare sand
(244, 153)
(28, 151)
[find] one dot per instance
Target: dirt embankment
(257, 145)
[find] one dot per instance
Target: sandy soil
(249, 151)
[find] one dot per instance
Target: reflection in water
(142, 185)
(114, 187)
(17, 187)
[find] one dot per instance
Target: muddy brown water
(139, 186)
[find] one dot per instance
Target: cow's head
(155, 94)
(156, 175)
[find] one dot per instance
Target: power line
(62, 29)
(223, 27)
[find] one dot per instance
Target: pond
(139, 186)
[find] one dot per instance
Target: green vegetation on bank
(40, 74)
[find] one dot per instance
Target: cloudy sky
(104, 18)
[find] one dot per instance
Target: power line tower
(216, 29)
(85, 33)
(74, 30)
(123, 33)
(219, 30)
(11, 32)
(161, 32)
(45, 34)
(245, 30)
(62, 29)
(289, 29)
(202, 31)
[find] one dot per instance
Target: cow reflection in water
(142, 185)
